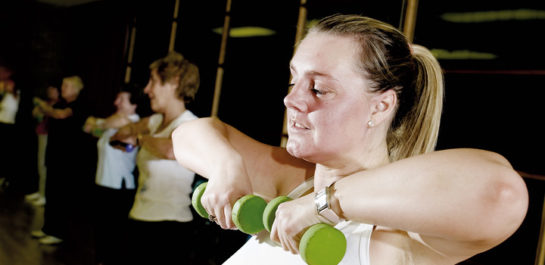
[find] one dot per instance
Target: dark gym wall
(493, 102)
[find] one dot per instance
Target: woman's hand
(89, 124)
(38, 101)
(225, 186)
(292, 220)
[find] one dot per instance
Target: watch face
(321, 201)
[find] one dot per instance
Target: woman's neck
(71, 99)
(327, 173)
(125, 113)
(172, 112)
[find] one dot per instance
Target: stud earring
(370, 123)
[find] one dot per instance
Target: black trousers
(9, 153)
(162, 243)
(60, 193)
(111, 211)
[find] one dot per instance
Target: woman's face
(123, 103)
(52, 93)
(160, 94)
(327, 108)
(69, 90)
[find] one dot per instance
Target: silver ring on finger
(212, 218)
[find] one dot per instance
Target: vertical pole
(410, 19)
(130, 54)
(221, 59)
(301, 22)
(540, 255)
(174, 26)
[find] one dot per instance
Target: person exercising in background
(363, 119)
(9, 106)
(52, 96)
(160, 216)
(63, 160)
(115, 181)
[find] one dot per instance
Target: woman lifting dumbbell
(363, 111)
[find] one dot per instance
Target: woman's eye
(317, 91)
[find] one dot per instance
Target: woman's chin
(297, 150)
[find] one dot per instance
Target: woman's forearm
(114, 121)
(209, 146)
(160, 147)
(56, 113)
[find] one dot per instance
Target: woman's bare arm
(459, 202)
(235, 164)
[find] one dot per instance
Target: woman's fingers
(229, 224)
(292, 219)
(220, 207)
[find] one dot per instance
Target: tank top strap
(302, 188)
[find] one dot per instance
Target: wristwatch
(321, 199)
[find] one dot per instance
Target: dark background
(493, 104)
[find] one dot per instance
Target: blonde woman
(363, 116)
(63, 160)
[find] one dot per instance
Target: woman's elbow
(509, 204)
(517, 195)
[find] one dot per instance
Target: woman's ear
(383, 107)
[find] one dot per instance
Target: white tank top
(9, 105)
(261, 250)
(164, 185)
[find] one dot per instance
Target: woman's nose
(296, 99)
(147, 89)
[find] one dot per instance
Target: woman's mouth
(298, 125)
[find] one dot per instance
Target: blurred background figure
(63, 161)
(162, 220)
(115, 180)
(52, 96)
(9, 105)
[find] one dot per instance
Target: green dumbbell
(321, 244)
(247, 212)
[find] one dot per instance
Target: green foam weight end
(270, 211)
(196, 200)
(248, 214)
(322, 244)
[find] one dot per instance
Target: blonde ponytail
(418, 131)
